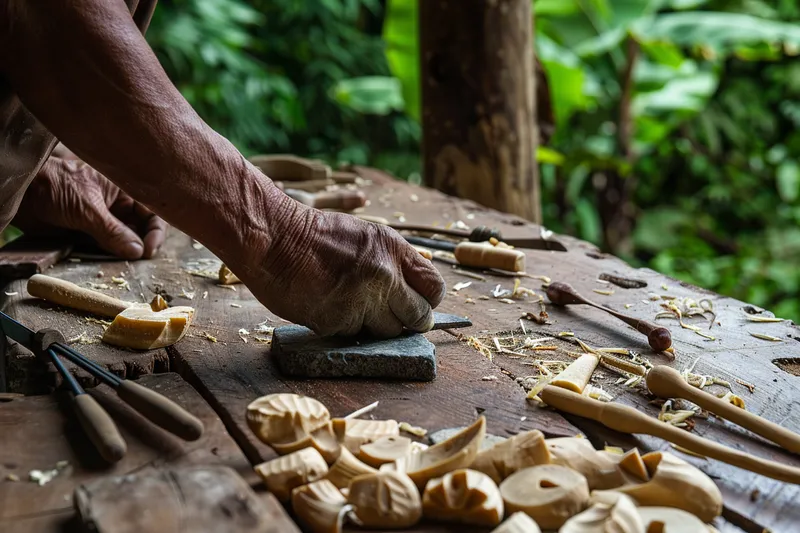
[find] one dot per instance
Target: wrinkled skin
(105, 96)
(69, 194)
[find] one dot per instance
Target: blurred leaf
(548, 155)
(376, 95)
(788, 181)
(401, 34)
(723, 32)
(589, 225)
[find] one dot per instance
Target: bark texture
(478, 105)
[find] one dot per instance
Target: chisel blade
(447, 321)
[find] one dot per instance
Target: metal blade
(16, 331)
(447, 321)
(532, 243)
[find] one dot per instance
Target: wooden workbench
(230, 372)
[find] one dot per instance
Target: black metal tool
(50, 344)
(484, 233)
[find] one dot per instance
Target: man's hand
(69, 194)
(338, 274)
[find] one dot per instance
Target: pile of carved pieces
(363, 472)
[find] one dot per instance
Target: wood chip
(413, 430)
(603, 292)
(765, 337)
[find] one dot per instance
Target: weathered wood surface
(185, 499)
(230, 373)
(25, 257)
(36, 432)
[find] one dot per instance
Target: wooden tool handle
(68, 294)
(628, 420)
(161, 411)
(100, 429)
(344, 200)
(658, 337)
(286, 167)
(486, 256)
(667, 382)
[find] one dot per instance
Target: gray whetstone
(299, 352)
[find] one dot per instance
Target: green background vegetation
(700, 140)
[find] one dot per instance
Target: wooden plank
(230, 373)
(36, 432)
(25, 257)
(197, 498)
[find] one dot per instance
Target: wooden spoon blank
(628, 420)
(666, 382)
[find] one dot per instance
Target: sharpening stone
(299, 352)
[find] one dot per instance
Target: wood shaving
(243, 333)
(507, 301)
(753, 318)
(628, 306)
(11, 293)
(664, 287)
(732, 399)
(674, 417)
(413, 430)
(205, 295)
(207, 336)
(12, 477)
(197, 245)
(362, 411)
(264, 340)
(603, 292)
(489, 378)
(469, 301)
(122, 282)
(765, 337)
(230, 287)
(597, 393)
(499, 292)
(189, 295)
(565, 334)
(236, 305)
(83, 338)
(746, 384)
(483, 297)
(97, 286)
(462, 285)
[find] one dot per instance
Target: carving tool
(477, 234)
(658, 337)
(474, 254)
(628, 420)
(666, 382)
(49, 345)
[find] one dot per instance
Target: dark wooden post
(478, 106)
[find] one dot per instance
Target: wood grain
(230, 373)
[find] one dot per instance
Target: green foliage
(309, 78)
(700, 138)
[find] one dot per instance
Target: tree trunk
(478, 107)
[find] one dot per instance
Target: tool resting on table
(666, 382)
(628, 420)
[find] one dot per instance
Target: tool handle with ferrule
(628, 420)
(161, 411)
(62, 292)
(481, 255)
(667, 382)
(100, 428)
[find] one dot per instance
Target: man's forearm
(84, 69)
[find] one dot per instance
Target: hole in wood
(546, 484)
(790, 365)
